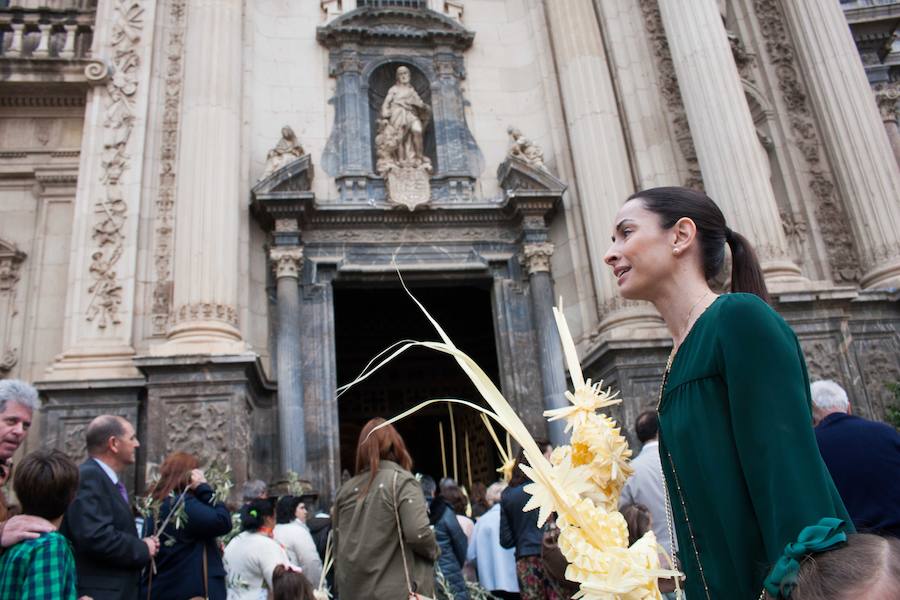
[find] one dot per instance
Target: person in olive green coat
(367, 549)
(742, 469)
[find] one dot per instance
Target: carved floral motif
(887, 95)
(668, 85)
(829, 212)
(204, 311)
(164, 226)
(537, 257)
(111, 208)
(202, 427)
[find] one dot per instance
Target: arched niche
(379, 81)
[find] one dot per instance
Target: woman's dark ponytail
(254, 513)
(746, 272)
(674, 203)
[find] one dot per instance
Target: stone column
(552, 364)
(204, 320)
(887, 96)
(603, 175)
(735, 170)
(859, 149)
(99, 314)
(287, 261)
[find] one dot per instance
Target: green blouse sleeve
(771, 419)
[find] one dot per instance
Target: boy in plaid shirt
(42, 568)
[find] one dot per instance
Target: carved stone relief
(205, 311)
(879, 362)
(164, 226)
(201, 428)
(10, 262)
(829, 212)
(111, 208)
(286, 261)
(887, 95)
(537, 257)
(668, 85)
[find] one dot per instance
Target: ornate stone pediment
(516, 175)
(393, 26)
(296, 176)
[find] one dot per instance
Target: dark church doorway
(369, 318)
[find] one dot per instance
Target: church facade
(206, 207)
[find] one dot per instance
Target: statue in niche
(524, 149)
(287, 150)
(399, 147)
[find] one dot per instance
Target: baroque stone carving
(668, 86)
(205, 311)
(200, 427)
(399, 145)
(830, 213)
(537, 257)
(286, 261)
(523, 148)
(111, 208)
(287, 150)
(887, 95)
(164, 226)
(10, 262)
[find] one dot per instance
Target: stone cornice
(395, 25)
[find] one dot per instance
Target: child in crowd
(44, 567)
(290, 584)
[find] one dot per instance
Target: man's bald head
(100, 430)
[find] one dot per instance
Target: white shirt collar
(650, 444)
(108, 470)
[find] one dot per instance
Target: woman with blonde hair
(188, 564)
(742, 469)
(384, 548)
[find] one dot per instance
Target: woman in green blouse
(742, 469)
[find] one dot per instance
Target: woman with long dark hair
(742, 470)
(382, 542)
(188, 564)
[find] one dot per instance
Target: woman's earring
(676, 250)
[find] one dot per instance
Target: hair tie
(729, 234)
(253, 513)
(816, 538)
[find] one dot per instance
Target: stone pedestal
(70, 405)
(287, 262)
(858, 146)
(217, 408)
(735, 172)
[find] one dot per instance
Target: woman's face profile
(640, 255)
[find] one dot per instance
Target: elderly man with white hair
(18, 401)
(863, 458)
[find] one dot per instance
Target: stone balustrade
(63, 33)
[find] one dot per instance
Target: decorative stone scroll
(164, 225)
(111, 208)
(286, 261)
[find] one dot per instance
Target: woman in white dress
(251, 557)
(292, 533)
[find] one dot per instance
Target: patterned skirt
(533, 582)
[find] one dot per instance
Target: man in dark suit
(863, 458)
(109, 555)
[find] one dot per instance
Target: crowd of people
(755, 483)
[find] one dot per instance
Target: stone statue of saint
(524, 149)
(287, 150)
(404, 116)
